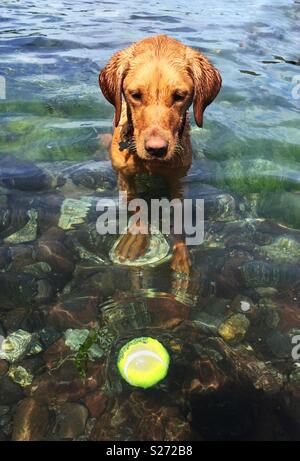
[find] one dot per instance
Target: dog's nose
(156, 146)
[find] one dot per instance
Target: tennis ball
(143, 362)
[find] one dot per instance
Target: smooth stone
(10, 392)
(3, 367)
(270, 310)
(22, 174)
(243, 363)
(141, 417)
(235, 328)
(5, 421)
(56, 353)
(279, 344)
(207, 376)
(48, 336)
(30, 421)
(96, 403)
(289, 317)
(5, 258)
(17, 290)
(243, 304)
(14, 318)
(74, 311)
(178, 430)
(262, 274)
(71, 421)
(94, 175)
(56, 255)
(20, 376)
(26, 234)
(65, 385)
(267, 292)
(21, 256)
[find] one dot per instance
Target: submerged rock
(64, 383)
(20, 376)
(15, 346)
(23, 175)
(262, 274)
(93, 175)
(271, 311)
(279, 344)
(30, 421)
(96, 403)
(28, 233)
(283, 207)
(71, 421)
(74, 339)
(74, 212)
(282, 250)
(17, 290)
(243, 304)
(254, 175)
(55, 254)
(76, 310)
(241, 360)
(10, 392)
(235, 328)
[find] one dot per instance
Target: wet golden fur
(152, 84)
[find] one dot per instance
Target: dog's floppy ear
(111, 81)
(207, 83)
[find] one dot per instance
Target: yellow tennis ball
(143, 362)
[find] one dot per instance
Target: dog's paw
(132, 246)
(181, 262)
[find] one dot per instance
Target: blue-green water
(246, 166)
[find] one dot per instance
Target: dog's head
(159, 79)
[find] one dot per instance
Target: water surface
(229, 328)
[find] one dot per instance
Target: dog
(152, 85)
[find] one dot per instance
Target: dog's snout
(156, 146)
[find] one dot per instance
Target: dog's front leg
(181, 262)
(135, 242)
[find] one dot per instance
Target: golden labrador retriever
(152, 84)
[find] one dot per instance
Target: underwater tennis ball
(143, 362)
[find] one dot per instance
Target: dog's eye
(178, 96)
(136, 95)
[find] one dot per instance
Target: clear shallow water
(246, 167)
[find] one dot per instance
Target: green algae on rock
(74, 339)
(282, 250)
(281, 206)
(28, 233)
(256, 175)
(20, 375)
(235, 328)
(74, 212)
(15, 346)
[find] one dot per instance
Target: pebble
(71, 421)
(243, 304)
